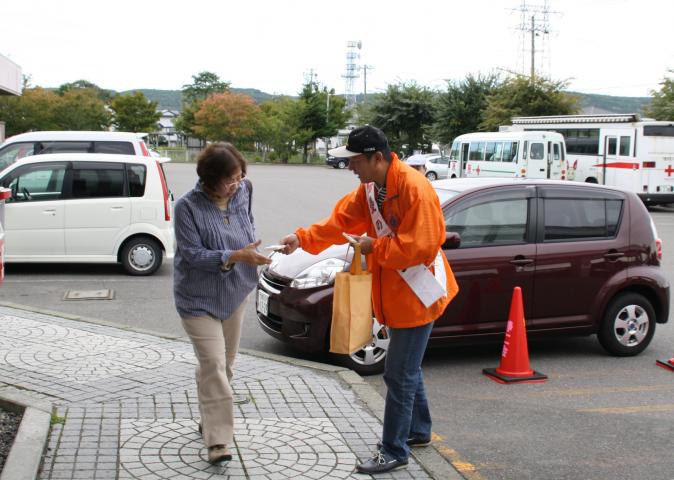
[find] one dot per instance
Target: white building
(166, 134)
(10, 84)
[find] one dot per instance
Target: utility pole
(365, 69)
(327, 120)
(534, 21)
(533, 47)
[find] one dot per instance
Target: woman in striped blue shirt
(215, 268)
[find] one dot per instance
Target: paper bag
(351, 308)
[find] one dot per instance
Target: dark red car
(586, 256)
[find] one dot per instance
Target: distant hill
(590, 103)
(596, 104)
(172, 99)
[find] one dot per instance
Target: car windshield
(445, 195)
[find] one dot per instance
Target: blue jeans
(406, 413)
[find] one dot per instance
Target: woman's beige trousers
(215, 344)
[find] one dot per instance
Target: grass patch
(56, 419)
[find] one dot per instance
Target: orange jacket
(412, 210)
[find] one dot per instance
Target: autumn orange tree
(230, 117)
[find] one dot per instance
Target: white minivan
(89, 208)
(36, 143)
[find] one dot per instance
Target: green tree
(405, 113)
(203, 85)
(277, 131)
(320, 114)
(135, 113)
(662, 104)
(104, 95)
(523, 96)
(34, 110)
(228, 116)
(82, 109)
(461, 106)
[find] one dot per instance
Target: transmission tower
(352, 71)
(535, 24)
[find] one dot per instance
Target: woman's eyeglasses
(232, 183)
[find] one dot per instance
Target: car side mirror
(452, 241)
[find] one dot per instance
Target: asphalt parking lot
(597, 417)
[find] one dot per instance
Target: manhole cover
(106, 294)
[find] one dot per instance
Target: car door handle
(520, 261)
(50, 211)
(613, 255)
(117, 207)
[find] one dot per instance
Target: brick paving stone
(131, 410)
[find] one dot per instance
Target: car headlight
(319, 274)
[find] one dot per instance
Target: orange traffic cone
(514, 366)
(667, 365)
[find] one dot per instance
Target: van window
(493, 151)
(556, 151)
(136, 175)
(64, 147)
(536, 151)
(15, 151)
(122, 148)
(625, 146)
(498, 151)
(581, 219)
(454, 152)
(476, 151)
(509, 151)
(35, 183)
(612, 146)
(96, 180)
(658, 130)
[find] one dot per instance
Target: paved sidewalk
(130, 408)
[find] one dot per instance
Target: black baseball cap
(365, 139)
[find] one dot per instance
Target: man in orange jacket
(412, 282)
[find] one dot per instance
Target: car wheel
(628, 325)
(431, 176)
(370, 359)
(141, 256)
(341, 164)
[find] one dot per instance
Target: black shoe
(380, 463)
(219, 453)
(412, 442)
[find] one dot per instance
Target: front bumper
(299, 317)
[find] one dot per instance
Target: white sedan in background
(437, 166)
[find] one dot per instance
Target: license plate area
(263, 302)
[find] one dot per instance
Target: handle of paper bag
(356, 263)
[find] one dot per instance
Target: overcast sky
(611, 47)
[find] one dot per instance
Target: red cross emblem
(669, 170)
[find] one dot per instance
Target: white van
(36, 143)
(531, 154)
(89, 208)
